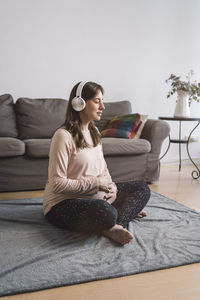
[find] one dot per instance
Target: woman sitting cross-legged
(80, 194)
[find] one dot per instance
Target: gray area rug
(35, 255)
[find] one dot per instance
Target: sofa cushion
(39, 118)
(113, 109)
(126, 126)
(8, 126)
(113, 146)
(38, 148)
(11, 147)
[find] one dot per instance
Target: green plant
(192, 88)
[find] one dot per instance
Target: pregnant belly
(99, 195)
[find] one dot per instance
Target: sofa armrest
(155, 131)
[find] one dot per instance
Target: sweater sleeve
(59, 157)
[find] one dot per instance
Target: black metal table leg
(167, 148)
(195, 173)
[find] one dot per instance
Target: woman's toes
(141, 214)
(119, 234)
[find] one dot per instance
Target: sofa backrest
(39, 118)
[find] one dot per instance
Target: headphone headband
(80, 88)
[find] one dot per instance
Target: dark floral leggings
(96, 215)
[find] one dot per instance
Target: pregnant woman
(80, 194)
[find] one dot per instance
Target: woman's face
(94, 108)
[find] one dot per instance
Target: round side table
(195, 173)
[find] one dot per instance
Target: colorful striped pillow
(127, 126)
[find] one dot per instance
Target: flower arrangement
(192, 88)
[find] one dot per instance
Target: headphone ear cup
(78, 103)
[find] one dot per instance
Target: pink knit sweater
(73, 173)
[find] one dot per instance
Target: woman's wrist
(98, 182)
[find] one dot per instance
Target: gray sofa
(26, 128)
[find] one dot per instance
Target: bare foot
(141, 214)
(118, 234)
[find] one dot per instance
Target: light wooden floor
(181, 283)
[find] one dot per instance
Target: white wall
(128, 46)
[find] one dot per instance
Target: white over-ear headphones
(78, 103)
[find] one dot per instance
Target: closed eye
(97, 100)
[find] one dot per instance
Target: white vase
(182, 109)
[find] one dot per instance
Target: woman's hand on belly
(105, 184)
(110, 197)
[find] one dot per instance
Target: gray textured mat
(35, 255)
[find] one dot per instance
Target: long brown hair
(73, 121)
